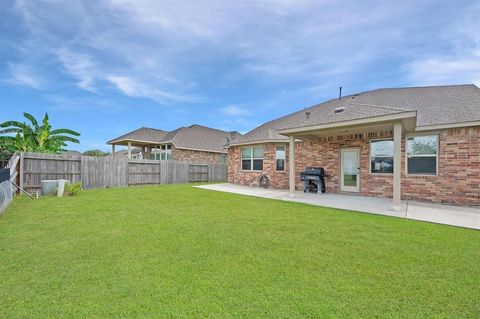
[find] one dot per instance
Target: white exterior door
(350, 166)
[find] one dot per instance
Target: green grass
(181, 252)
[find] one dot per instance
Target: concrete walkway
(442, 214)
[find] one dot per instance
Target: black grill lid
(311, 170)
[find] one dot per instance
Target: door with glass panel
(349, 168)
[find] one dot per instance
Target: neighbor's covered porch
(146, 147)
(351, 159)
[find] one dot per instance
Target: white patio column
(397, 166)
(291, 163)
(113, 150)
(129, 150)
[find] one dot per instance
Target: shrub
(73, 189)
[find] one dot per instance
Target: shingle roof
(201, 138)
(193, 137)
(434, 105)
(143, 134)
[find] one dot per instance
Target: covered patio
(147, 139)
(442, 214)
(348, 166)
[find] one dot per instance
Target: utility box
(49, 187)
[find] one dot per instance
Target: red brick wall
(238, 176)
(196, 156)
(457, 182)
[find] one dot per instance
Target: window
(422, 153)
(166, 152)
(381, 156)
(155, 153)
(252, 158)
(280, 158)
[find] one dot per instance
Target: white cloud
(126, 85)
(460, 63)
(65, 102)
(275, 39)
(79, 65)
(170, 50)
(135, 88)
(435, 71)
(235, 110)
(21, 74)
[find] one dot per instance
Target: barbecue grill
(313, 179)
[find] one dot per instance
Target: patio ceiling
(365, 125)
(135, 143)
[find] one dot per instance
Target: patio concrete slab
(442, 214)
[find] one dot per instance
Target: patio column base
(396, 208)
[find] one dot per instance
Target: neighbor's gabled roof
(142, 135)
(198, 137)
(434, 106)
(195, 137)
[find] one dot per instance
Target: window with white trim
(422, 155)
(381, 156)
(166, 152)
(252, 158)
(280, 158)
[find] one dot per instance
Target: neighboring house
(144, 138)
(195, 143)
(136, 153)
(419, 143)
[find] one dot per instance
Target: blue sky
(107, 67)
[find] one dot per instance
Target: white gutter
(448, 125)
(131, 140)
(258, 142)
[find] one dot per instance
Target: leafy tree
(6, 151)
(34, 137)
(96, 153)
(423, 147)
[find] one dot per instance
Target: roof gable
(200, 137)
(143, 134)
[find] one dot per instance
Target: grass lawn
(180, 252)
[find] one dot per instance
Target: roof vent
(307, 115)
(339, 109)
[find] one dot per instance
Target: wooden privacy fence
(100, 172)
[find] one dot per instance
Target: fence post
(82, 165)
(21, 171)
(127, 171)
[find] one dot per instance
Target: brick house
(419, 143)
(195, 143)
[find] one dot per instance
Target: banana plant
(35, 137)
